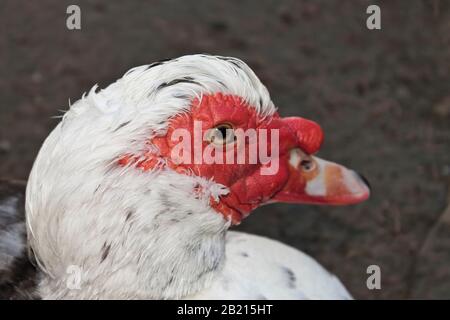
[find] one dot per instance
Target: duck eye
(221, 134)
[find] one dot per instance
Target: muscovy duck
(114, 209)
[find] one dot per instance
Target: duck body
(260, 268)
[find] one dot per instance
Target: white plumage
(261, 268)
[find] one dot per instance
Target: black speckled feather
(18, 276)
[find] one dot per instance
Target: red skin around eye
(248, 187)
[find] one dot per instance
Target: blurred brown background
(382, 98)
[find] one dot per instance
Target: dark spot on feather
(222, 84)
(235, 63)
(121, 126)
(225, 58)
(167, 203)
(176, 81)
(170, 281)
(129, 214)
(154, 64)
(290, 275)
(261, 297)
(157, 63)
(105, 251)
(244, 254)
(180, 96)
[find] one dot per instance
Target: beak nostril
(307, 165)
(364, 179)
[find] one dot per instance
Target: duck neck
(152, 242)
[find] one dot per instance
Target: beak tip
(364, 180)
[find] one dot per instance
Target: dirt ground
(381, 96)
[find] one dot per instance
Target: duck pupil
(223, 132)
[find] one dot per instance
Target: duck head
(257, 156)
(138, 183)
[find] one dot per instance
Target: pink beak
(316, 181)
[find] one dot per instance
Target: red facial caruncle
(298, 177)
